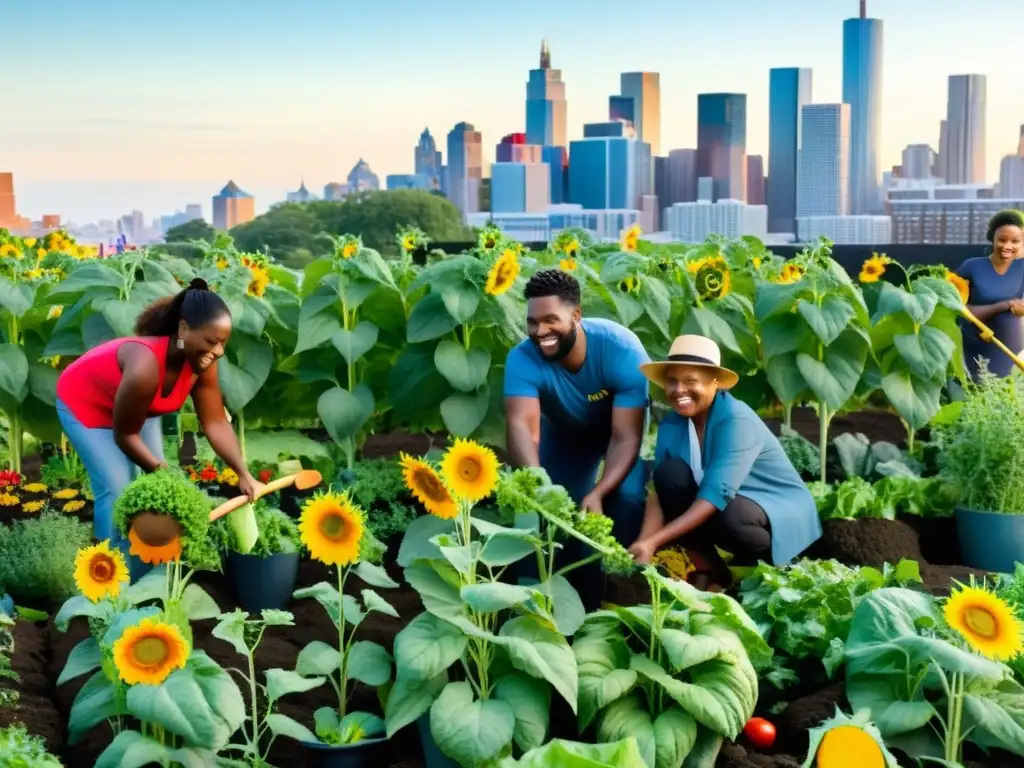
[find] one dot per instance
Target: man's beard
(565, 345)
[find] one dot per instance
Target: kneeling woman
(721, 478)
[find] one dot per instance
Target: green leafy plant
(886, 499)
(20, 749)
(678, 674)
(977, 450)
(571, 754)
(804, 610)
(8, 697)
(37, 558)
(278, 533)
(803, 454)
(378, 487)
(263, 724)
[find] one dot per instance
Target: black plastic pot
(362, 754)
(263, 582)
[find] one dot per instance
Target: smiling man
(574, 396)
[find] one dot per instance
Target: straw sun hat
(693, 352)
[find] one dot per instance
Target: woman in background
(996, 283)
(110, 400)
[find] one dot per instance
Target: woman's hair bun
(198, 284)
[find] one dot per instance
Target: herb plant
(37, 557)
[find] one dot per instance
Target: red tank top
(88, 386)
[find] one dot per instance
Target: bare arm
(698, 514)
(623, 448)
(986, 312)
(140, 378)
(522, 431)
(654, 517)
(210, 410)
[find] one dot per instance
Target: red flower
(209, 473)
(9, 477)
(265, 475)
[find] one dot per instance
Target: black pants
(742, 528)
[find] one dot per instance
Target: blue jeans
(110, 471)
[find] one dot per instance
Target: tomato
(759, 732)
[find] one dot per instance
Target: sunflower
(791, 273)
(985, 621)
(259, 281)
(427, 486)
(630, 238)
(489, 239)
(962, 286)
(33, 506)
(148, 652)
(409, 243)
(675, 562)
(710, 277)
(572, 248)
(73, 506)
(332, 528)
(755, 262)
(100, 571)
(349, 249)
(29, 242)
(9, 500)
(568, 265)
(67, 493)
(9, 249)
(470, 470)
(165, 553)
(874, 268)
(41, 253)
(503, 274)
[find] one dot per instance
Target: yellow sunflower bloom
(148, 652)
(711, 277)
(66, 493)
(470, 470)
(676, 563)
(572, 248)
(791, 273)
(349, 250)
(985, 621)
(259, 281)
(41, 253)
(426, 485)
(73, 506)
(100, 571)
(222, 263)
(154, 555)
(29, 242)
(874, 268)
(963, 287)
(409, 243)
(332, 528)
(9, 249)
(630, 238)
(567, 265)
(9, 500)
(34, 488)
(31, 507)
(503, 274)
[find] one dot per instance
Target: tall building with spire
(862, 90)
(545, 103)
(428, 159)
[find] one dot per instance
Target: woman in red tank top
(110, 400)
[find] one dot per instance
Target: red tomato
(760, 732)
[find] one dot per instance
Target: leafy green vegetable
(572, 754)
(861, 458)
(20, 749)
(804, 610)
(802, 453)
(886, 499)
(277, 533)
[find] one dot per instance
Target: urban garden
(365, 611)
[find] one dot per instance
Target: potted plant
(334, 531)
(979, 455)
(264, 577)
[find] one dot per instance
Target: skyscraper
(545, 103)
(722, 143)
(823, 164)
(428, 158)
(918, 161)
(789, 90)
(465, 167)
(1020, 143)
(514, 149)
(676, 177)
(755, 180)
(862, 90)
(643, 89)
(232, 207)
(965, 129)
(606, 172)
(943, 155)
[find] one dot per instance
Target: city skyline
(170, 132)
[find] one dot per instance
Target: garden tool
(243, 522)
(987, 334)
(156, 529)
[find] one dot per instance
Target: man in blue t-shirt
(574, 395)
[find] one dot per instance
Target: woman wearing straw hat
(721, 478)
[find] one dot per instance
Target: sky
(155, 105)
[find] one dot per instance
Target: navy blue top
(581, 403)
(741, 457)
(989, 287)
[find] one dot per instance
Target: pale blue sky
(114, 104)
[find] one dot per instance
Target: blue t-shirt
(581, 403)
(989, 287)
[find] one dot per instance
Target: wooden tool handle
(304, 479)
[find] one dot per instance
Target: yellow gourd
(848, 746)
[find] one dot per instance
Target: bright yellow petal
(148, 652)
(100, 571)
(332, 528)
(426, 485)
(985, 621)
(470, 470)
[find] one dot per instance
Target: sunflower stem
(342, 649)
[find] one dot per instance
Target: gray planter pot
(991, 541)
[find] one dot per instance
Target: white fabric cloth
(696, 465)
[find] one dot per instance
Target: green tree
(287, 232)
(196, 229)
